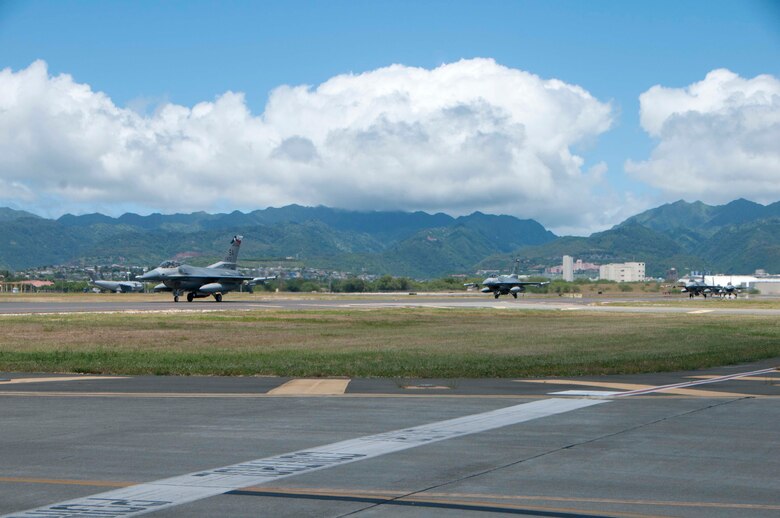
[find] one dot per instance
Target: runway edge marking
(676, 386)
(16, 381)
(170, 492)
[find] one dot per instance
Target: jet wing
(258, 280)
(209, 275)
(206, 279)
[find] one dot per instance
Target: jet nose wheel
(176, 298)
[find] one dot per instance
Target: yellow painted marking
(234, 395)
(427, 387)
(320, 387)
(746, 378)
(194, 395)
(636, 386)
(400, 494)
(60, 378)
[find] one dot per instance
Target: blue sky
(144, 55)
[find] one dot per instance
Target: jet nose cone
(146, 276)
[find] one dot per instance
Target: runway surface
(129, 303)
(429, 447)
(704, 445)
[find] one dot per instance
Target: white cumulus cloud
(718, 139)
(470, 135)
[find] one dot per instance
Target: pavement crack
(480, 473)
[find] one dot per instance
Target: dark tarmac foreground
(704, 450)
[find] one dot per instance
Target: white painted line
(15, 381)
(752, 378)
(700, 311)
(594, 393)
(694, 383)
(170, 492)
(123, 312)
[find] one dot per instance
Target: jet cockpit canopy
(169, 264)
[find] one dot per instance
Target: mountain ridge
(736, 237)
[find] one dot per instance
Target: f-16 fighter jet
(115, 286)
(506, 284)
(199, 281)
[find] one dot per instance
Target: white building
(766, 284)
(568, 268)
(622, 272)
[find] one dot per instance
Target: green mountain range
(738, 237)
(735, 238)
(400, 243)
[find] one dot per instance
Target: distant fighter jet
(115, 286)
(694, 288)
(198, 281)
(728, 291)
(506, 284)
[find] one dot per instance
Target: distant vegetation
(739, 237)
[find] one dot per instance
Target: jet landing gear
(497, 294)
(514, 295)
(192, 296)
(176, 294)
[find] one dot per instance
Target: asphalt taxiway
(598, 446)
(114, 303)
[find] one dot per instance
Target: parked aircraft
(199, 281)
(728, 291)
(694, 288)
(506, 284)
(115, 286)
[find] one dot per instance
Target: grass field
(753, 302)
(427, 343)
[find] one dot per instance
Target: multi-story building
(623, 272)
(568, 268)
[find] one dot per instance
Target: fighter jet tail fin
(231, 259)
(516, 266)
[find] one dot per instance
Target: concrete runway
(701, 450)
(140, 303)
